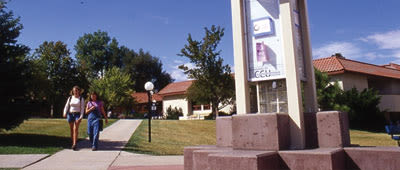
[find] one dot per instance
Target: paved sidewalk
(127, 160)
(19, 160)
(112, 140)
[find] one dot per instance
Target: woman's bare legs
(71, 127)
(76, 132)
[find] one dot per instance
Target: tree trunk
(215, 109)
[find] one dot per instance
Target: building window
(196, 107)
(273, 97)
(206, 107)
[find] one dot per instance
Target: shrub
(174, 113)
(362, 108)
(220, 113)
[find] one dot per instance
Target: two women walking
(74, 110)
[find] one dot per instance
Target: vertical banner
(264, 40)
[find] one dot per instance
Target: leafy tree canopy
(143, 67)
(214, 83)
(55, 74)
(14, 71)
(94, 53)
(114, 89)
(97, 52)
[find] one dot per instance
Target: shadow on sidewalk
(104, 145)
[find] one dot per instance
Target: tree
(56, 74)
(214, 83)
(114, 89)
(95, 53)
(14, 71)
(362, 107)
(143, 67)
(327, 92)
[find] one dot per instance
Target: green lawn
(168, 137)
(40, 136)
(365, 138)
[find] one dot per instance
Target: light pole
(149, 87)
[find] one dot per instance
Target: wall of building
(390, 103)
(178, 101)
(389, 89)
(349, 80)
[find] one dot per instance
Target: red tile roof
(141, 97)
(175, 88)
(392, 66)
(337, 65)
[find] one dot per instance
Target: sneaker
(94, 149)
(73, 147)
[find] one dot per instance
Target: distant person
(73, 111)
(95, 109)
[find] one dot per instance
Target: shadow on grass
(376, 130)
(23, 141)
(34, 140)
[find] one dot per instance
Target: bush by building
(174, 113)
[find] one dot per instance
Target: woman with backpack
(95, 109)
(73, 111)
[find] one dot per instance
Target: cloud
(347, 49)
(190, 65)
(374, 55)
(387, 40)
(396, 55)
(164, 20)
(177, 73)
(178, 61)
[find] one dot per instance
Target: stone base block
(371, 158)
(188, 154)
(190, 159)
(333, 129)
(200, 158)
(260, 131)
(244, 160)
(310, 123)
(317, 159)
(224, 131)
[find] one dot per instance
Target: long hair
(94, 93)
(76, 87)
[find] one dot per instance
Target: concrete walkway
(109, 154)
(127, 160)
(112, 140)
(19, 160)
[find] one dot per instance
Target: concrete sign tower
(272, 51)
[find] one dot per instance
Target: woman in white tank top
(73, 111)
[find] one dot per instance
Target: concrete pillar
(295, 105)
(239, 50)
(310, 97)
(297, 60)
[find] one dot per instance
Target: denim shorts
(72, 117)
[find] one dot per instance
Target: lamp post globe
(149, 86)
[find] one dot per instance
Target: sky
(363, 30)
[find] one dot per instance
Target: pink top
(97, 104)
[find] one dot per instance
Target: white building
(174, 95)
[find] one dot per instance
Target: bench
(394, 131)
